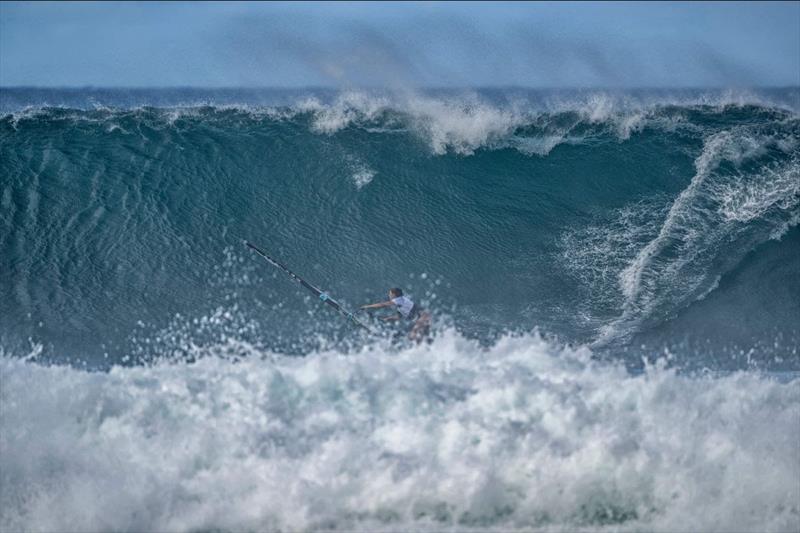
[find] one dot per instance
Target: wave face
(157, 375)
(617, 219)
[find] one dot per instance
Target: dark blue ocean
(614, 278)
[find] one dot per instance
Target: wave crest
(459, 123)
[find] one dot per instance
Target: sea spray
(525, 435)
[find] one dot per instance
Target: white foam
(362, 176)
(670, 270)
(522, 436)
(599, 252)
(458, 125)
(464, 122)
(537, 145)
(348, 108)
(461, 126)
(774, 188)
(361, 173)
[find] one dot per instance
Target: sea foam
(671, 270)
(525, 435)
(459, 122)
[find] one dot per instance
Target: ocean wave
(592, 216)
(525, 435)
(469, 122)
(459, 123)
(598, 252)
(742, 174)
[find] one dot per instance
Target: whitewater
(447, 436)
(614, 278)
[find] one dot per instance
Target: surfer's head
(395, 292)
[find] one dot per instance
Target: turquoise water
(565, 241)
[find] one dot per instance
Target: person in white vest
(407, 311)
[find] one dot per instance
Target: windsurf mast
(322, 295)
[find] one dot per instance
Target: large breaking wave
(157, 376)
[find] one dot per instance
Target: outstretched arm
(377, 305)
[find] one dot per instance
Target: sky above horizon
(400, 45)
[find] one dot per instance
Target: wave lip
(524, 436)
(457, 122)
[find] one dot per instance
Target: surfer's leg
(422, 328)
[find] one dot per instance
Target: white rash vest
(404, 305)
